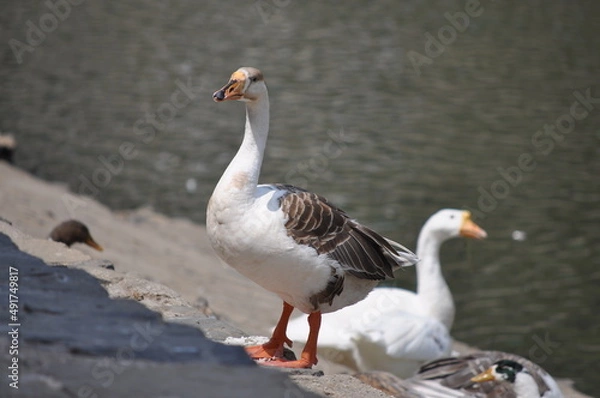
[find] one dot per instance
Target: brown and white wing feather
(311, 220)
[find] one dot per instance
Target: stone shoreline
(148, 326)
(85, 330)
(88, 330)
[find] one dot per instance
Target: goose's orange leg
(274, 347)
(308, 358)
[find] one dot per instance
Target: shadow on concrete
(75, 341)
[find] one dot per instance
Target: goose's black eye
(254, 79)
(452, 216)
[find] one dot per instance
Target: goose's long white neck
(525, 386)
(432, 289)
(241, 176)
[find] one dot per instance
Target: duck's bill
(484, 376)
(92, 243)
(471, 230)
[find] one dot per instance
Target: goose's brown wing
(311, 220)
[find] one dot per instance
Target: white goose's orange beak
(487, 375)
(469, 229)
(233, 90)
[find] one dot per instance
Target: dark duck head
(73, 231)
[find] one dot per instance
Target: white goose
(397, 330)
(290, 241)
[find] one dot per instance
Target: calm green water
(367, 110)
